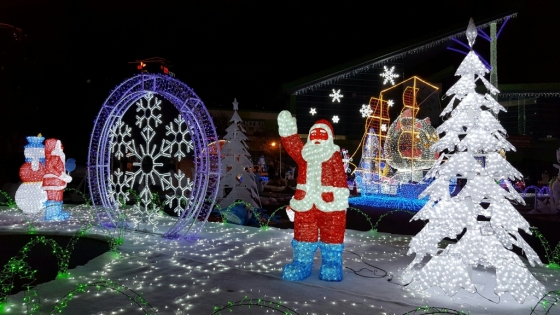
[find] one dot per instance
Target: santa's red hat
(325, 124)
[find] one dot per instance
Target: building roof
(382, 57)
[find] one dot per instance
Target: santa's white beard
(318, 152)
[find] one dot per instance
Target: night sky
(75, 52)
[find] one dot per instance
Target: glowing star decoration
(390, 103)
(146, 160)
(472, 133)
(389, 75)
(336, 96)
(320, 199)
(366, 110)
(335, 119)
(312, 111)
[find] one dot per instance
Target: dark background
(60, 66)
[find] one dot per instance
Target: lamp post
(280, 161)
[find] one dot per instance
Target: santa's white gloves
(286, 124)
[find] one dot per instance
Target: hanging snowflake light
(390, 103)
(335, 119)
(146, 161)
(336, 96)
(366, 110)
(389, 75)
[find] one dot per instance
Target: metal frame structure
(207, 165)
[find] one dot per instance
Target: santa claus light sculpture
(54, 180)
(320, 200)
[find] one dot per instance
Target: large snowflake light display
(186, 139)
(482, 206)
(147, 157)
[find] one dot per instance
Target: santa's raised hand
(286, 124)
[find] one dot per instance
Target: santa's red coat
(332, 193)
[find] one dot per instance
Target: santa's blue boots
(331, 265)
(53, 211)
(301, 267)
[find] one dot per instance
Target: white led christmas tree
(471, 145)
(237, 178)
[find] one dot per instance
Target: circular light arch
(207, 175)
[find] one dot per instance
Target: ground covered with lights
(237, 269)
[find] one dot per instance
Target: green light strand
(31, 300)
(552, 256)
(248, 302)
(109, 285)
(431, 310)
(9, 201)
(18, 267)
(273, 213)
(390, 212)
(367, 217)
(115, 236)
(546, 303)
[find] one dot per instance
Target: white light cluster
(229, 262)
(236, 165)
(336, 96)
(366, 110)
(472, 133)
(30, 196)
(408, 143)
(389, 75)
(177, 144)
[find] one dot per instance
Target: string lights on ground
(190, 272)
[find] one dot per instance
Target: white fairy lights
(336, 96)
(365, 111)
(471, 134)
(147, 159)
(389, 75)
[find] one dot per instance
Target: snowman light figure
(30, 197)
